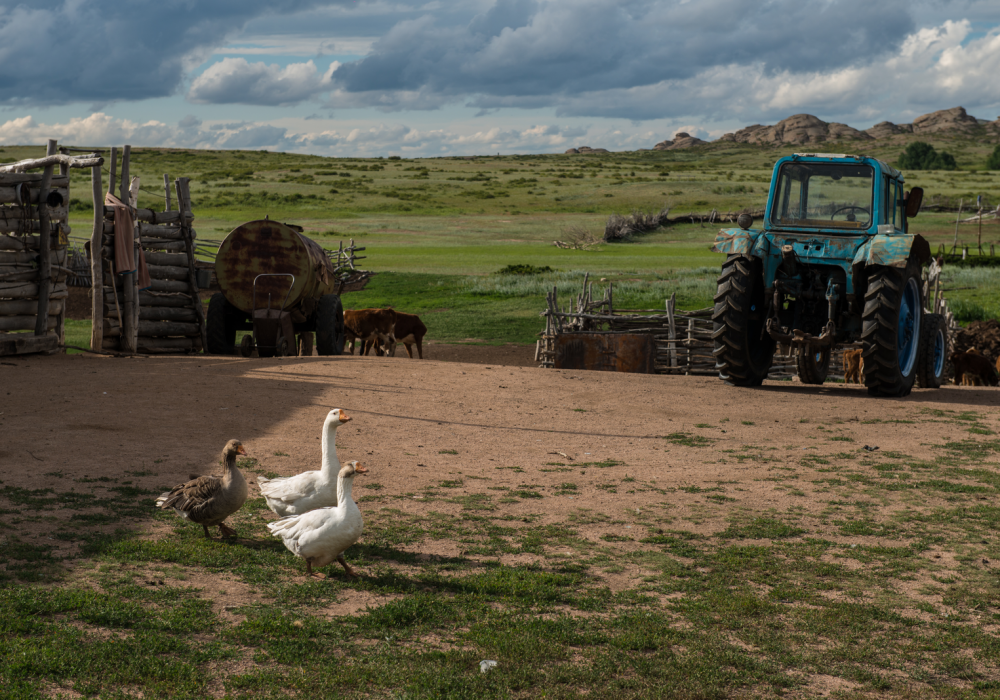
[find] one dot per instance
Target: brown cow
(854, 366)
(409, 331)
(973, 365)
(369, 325)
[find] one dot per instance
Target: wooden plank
(167, 313)
(50, 161)
(156, 329)
(97, 253)
(169, 286)
(26, 307)
(32, 179)
(161, 231)
(160, 244)
(26, 323)
(168, 345)
(147, 298)
(175, 259)
(25, 343)
(184, 205)
(44, 246)
(18, 227)
(130, 291)
(168, 272)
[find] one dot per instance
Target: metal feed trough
(255, 262)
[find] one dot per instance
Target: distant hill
(802, 129)
(805, 128)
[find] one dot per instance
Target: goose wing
(192, 497)
(290, 489)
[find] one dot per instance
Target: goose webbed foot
(348, 569)
(226, 531)
(314, 574)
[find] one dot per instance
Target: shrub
(922, 156)
(524, 269)
(993, 162)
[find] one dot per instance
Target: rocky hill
(805, 128)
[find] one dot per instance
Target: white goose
(322, 535)
(294, 495)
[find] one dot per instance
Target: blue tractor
(832, 264)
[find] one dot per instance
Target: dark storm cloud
(62, 51)
(525, 49)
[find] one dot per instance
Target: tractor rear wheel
(812, 366)
(220, 331)
(932, 355)
(890, 330)
(743, 349)
(330, 326)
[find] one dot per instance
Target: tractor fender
(893, 250)
(736, 241)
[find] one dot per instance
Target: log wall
(168, 317)
(33, 252)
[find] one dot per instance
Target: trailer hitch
(799, 339)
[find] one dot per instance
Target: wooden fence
(683, 339)
(169, 316)
(34, 208)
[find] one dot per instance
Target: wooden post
(96, 262)
(672, 324)
(44, 247)
(184, 205)
(166, 188)
(690, 336)
(954, 245)
(112, 169)
(130, 315)
(980, 242)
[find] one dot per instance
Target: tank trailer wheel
(891, 331)
(220, 331)
(247, 346)
(330, 326)
(282, 349)
(812, 366)
(743, 349)
(932, 354)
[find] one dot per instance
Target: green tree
(993, 162)
(922, 156)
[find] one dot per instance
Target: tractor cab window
(828, 195)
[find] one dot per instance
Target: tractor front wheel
(812, 366)
(743, 349)
(890, 330)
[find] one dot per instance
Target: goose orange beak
(358, 469)
(344, 417)
(241, 450)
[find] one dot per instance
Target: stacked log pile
(168, 317)
(33, 250)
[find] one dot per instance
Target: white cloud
(236, 81)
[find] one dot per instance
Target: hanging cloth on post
(125, 243)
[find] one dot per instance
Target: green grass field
(430, 225)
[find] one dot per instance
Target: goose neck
(329, 447)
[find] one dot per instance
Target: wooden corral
(168, 316)
(682, 339)
(34, 208)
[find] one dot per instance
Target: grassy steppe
(451, 218)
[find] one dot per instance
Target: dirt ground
(89, 416)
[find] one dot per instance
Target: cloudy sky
(410, 78)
